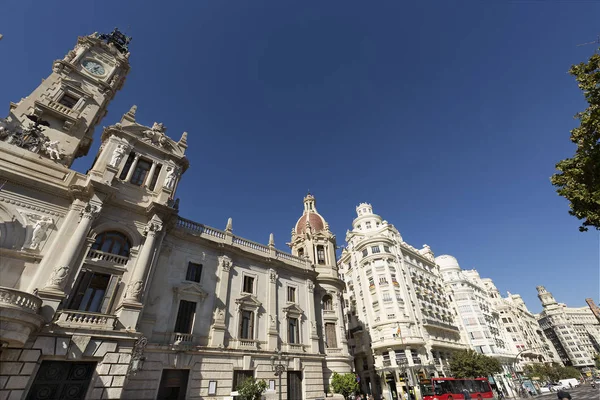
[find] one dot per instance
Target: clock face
(93, 67)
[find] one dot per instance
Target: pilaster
(310, 314)
(218, 328)
(272, 330)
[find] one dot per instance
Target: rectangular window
(365, 252)
(291, 294)
(240, 376)
(320, 255)
(368, 225)
(68, 100)
(94, 292)
(375, 249)
(141, 170)
(386, 297)
(194, 272)
(386, 249)
(185, 316)
(301, 252)
(330, 336)
(248, 284)
(293, 331)
(247, 325)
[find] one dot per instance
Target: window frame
(293, 291)
(104, 236)
(246, 276)
(136, 178)
(198, 272)
(293, 331)
(192, 318)
(249, 327)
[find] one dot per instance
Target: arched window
(327, 303)
(301, 252)
(112, 242)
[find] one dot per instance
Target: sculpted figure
(170, 178)
(117, 155)
(52, 150)
(39, 230)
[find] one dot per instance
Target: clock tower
(58, 118)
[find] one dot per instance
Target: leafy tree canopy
(597, 360)
(344, 384)
(550, 372)
(251, 389)
(470, 364)
(578, 179)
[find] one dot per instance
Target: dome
(316, 222)
(447, 262)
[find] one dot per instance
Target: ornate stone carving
(31, 138)
(156, 134)
(58, 276)
(272, 322)
(219, 316)
(134, 290)
(152, 229)
(225, 263)
(90, 211)
(51, 148)
(171, 177)
(70, 56)
(39, 231)
(272, 275)
(310, 286)
(117, 155)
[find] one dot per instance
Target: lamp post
(515, 370)
(279, 367)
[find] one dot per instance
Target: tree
(597, 360)
(578, 179)
(251, 389)
(344, 384)
(551, 372)
(470, 364)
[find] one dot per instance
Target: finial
(183, 140)
(271, 240)
(130, 115)
(132, 110)
(229, 227)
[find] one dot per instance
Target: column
(150, 174)
(136, 158)
(312, 318)
(61, 272)
(342, 340)
(136, 281)
(218, 328)
(272, 332)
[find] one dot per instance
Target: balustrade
(182, 338)
(97, 255)
(17, 299)
(73, 318)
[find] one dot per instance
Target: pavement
(583, 392)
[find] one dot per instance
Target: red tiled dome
(316, 222)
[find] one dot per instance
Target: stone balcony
(19, 316)
(84, 319)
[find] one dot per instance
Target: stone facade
(401, 326)
(107, 293)
(574, 331)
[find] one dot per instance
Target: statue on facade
(117, 155)
(51, 148)
(39, 230)
(172, 174)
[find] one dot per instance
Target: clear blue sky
(448, 117)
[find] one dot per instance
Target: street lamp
(279, 367)
(515, 364)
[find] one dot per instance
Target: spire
(183, 141)
(229, 227)
(271, 240)
(130, 115)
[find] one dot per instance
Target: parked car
(571, 382)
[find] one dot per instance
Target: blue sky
(448, 117)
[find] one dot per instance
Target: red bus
(456, 389)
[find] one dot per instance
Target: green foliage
(597, 360)
(344, 384)
(470, 364)
(578, 179)
(251, 389)
(551, 372)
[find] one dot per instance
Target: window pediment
(191, 289)
(248, 301)
(293, 311)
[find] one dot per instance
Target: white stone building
(524, 334)
(479, 320)
(574, 331)
(401, 326)
(105, 292)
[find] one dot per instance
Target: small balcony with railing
(85, 319)
(19, 316)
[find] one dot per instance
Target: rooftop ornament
(117, 38)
